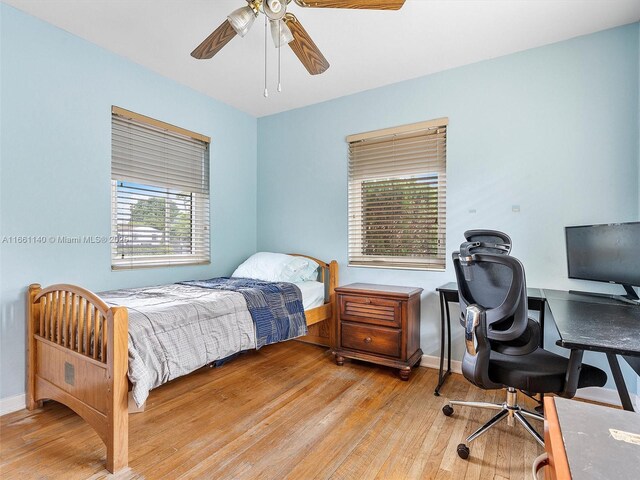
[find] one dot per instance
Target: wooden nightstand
(379, 324)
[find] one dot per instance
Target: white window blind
(160, 193)
(397, 197)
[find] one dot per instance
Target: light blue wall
(553, 130)
(56, 92)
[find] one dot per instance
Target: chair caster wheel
(447, 410)
(463, 451)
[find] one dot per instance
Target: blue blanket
(276, 307)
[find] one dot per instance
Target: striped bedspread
(275, 307)
(176, 329)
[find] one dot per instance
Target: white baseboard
(13, 404)
(594, 394)
(430, 361)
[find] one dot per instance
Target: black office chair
(502, 343)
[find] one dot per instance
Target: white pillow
(272, 267)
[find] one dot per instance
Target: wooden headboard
(321, 320)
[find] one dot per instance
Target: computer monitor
(605, 253)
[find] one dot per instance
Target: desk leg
(442, 374)
(573, 373)
(619, 379)
(541, 319)
(543, 307)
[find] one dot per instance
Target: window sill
(393, 267)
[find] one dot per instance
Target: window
(397, 197)
(160, 193)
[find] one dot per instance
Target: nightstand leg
(404, 373)
(339, 360)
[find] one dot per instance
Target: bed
(79, 345)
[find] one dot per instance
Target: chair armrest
(526, 343)
(475, 317)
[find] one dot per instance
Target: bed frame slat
(61, 317)
(105, 333)
(47, 322)
(54, 316)
(66, 321)
(80, 339)
(41, 315)
(87, 327)
(72, 321)
(96, 333)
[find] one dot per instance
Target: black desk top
(592, 323)
(599, 441)
(532, 293)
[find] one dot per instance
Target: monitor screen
(605, 253)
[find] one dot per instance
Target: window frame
(356, 220)
(198, 210)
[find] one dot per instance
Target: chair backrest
(493, 301)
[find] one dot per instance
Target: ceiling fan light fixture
(274, 9)
(274, 5)
(280, 33)
(242, 19)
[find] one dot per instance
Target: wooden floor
(284, 412)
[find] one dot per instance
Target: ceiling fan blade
(364, 4)
(214, 42)
(304, 48)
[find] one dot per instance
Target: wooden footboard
(77, 355)
(321, 320)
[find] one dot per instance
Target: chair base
(509, 410)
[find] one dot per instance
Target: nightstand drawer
(383, 341)
(373, 310)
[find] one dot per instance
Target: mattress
(175, 329)
(312, 294)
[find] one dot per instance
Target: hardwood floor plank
(416, 425)
(338, 445)
(280, 430)
(481, 455)
(366, 460)
(438, 438)
(283, 412)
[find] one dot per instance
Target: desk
(449, 293)
(585, 441)
(597, 324)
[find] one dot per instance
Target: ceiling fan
(285, 27)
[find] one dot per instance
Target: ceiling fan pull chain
(266, 91)
(279, 54)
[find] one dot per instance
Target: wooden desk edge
(554, 444)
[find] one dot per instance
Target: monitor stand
(631, 297)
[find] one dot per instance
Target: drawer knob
(367, 340)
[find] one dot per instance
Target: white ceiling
(366, 49)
